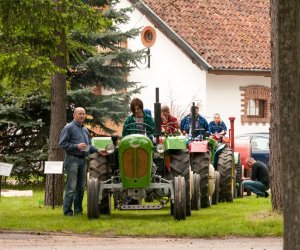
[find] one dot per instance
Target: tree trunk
(58, 120)
(288, 71)
(275, 152)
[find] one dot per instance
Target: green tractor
(132, 171)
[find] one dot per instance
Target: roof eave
(222, 71)
(171, 34)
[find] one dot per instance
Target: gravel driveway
(26, 241)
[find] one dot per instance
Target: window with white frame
(256, 107)
(255, 104)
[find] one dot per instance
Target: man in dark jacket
(217, 125)
(260, 179)
(75, 140)
(201, 123)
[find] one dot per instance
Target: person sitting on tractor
(148, 112)
(138, 116)
(217, 125)
(169, 122)
(201, 123)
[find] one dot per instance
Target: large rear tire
(226, 170)
(200, 165)
(179, 208)
(196, 198)
(99, 169)
(180, 166)
(92, 198)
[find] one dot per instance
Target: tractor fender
(217, 153)
(211, 180)
(220, 148)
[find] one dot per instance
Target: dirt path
(20, 241)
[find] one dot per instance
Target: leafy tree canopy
(98, 65)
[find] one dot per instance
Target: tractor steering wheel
(139, 128)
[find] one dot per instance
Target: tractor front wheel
(92, 198)
(180, 167)
(215, 197)
(196, 198)
(179, 207)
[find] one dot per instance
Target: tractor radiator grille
(135, 167)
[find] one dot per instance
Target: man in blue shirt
(75, 140)
(217, 125)
(201, 123)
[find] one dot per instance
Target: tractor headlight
(110, 148)
(160, 148)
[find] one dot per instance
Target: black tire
(196, 198)
(216, 194)
(180, 166)
(92, 198)
(200, 165)
(99, 169)
(235, 186)
(238, 169)
(226, 170)
(241, 188)
(179, 208)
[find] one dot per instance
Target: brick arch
(255, 92)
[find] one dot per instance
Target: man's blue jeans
(76, 177)
(255, 187)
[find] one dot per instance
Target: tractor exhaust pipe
(231, 132)
(193, 127)
(157, 117)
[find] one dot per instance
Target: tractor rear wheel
(180, 166)
(196, 198)
(179, 208)
(92, 198)
(99, 169)
(200, 165)
(226, 170)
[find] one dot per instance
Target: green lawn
(249, 216)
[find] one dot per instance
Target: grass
(248, 217)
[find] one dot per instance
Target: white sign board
(53, 167)
(5, 169)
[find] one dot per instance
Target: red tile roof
(227, 34)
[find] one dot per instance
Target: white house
(214, 53)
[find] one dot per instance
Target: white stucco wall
(179, 80)
(223, 96)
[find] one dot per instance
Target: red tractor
(216, 162)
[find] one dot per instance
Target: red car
(255, 145)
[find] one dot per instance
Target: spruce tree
(103, 66)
